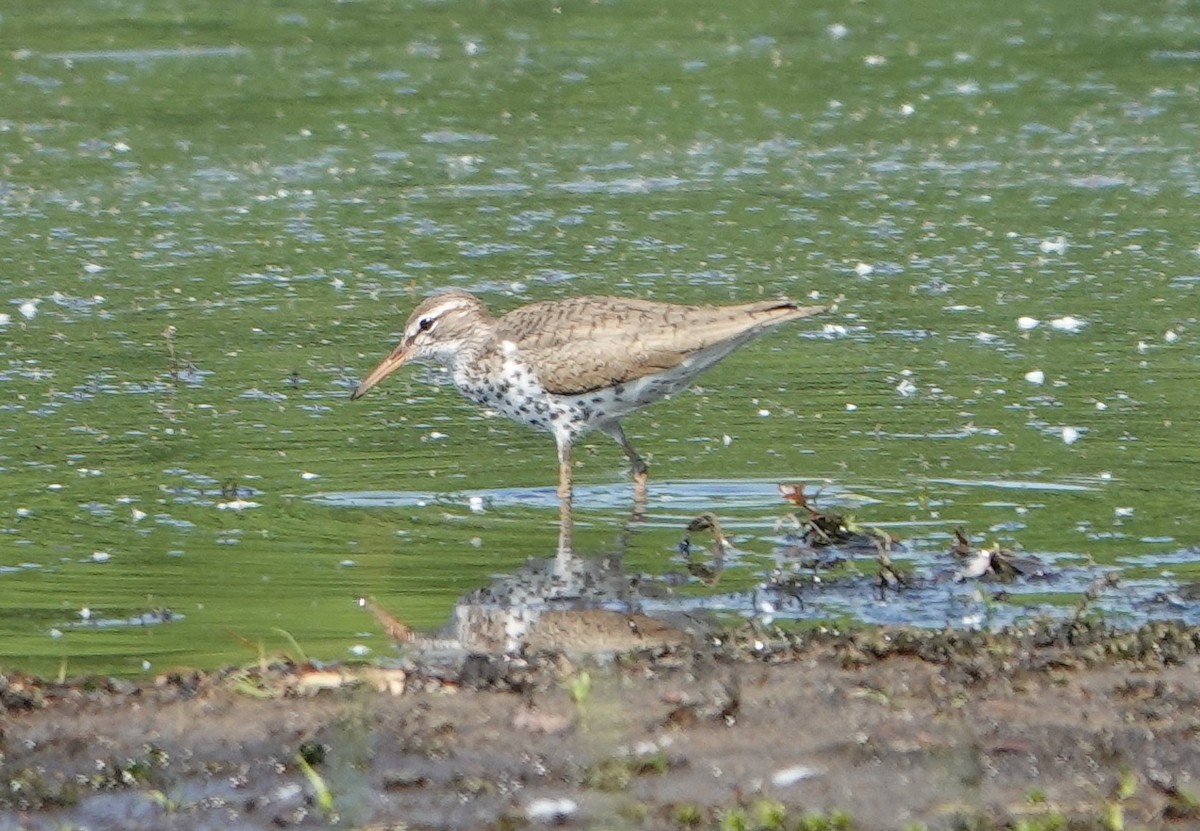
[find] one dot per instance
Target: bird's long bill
(386, 367)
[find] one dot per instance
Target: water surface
(216, 217)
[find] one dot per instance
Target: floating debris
(1054, 245)
(791, 775)
(1067, 323)
(237, 505)
(823, 528)
(997, 562)
(553, 811)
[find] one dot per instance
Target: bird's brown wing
(588, 343)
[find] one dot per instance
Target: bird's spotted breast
(513, 389)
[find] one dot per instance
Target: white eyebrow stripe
(435, 315)
(442, 308)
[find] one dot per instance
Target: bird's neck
(475, 354)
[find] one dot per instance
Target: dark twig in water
(889, 576)
(1097, 587)
(819, 528)
(168, 335)
(704, 573)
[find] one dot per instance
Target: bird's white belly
(516, 392)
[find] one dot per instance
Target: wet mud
(1064, 725)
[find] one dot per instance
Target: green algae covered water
(216, 216)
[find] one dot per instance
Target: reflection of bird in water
(564, 603)
(395, 628)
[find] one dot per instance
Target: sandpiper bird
(572, 366)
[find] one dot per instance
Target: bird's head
(435, 332)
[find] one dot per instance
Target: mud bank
(1067, 726)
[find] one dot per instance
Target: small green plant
(1113, 818)
(833, 821)
(167, 803)
(634, 813)
(609, 775)
(300, 658)
(734, 819)
(579, 687)
(1048, 822)
(615, 773)
(241, 683)
(321, 793)
(687, 815)
(770, 815)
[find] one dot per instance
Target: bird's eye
(425, 324)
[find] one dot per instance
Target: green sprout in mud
(242, 683)
(688, 815)
(169, 804)
(770, 815)
(322, 796)
(618, 772)
(1048, 822)
(579, 687)
(833, 821)
(1114, 811)
(300, 656)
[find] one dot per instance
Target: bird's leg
(636, 462)
(564, 484)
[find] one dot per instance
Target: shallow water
(217, 216)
